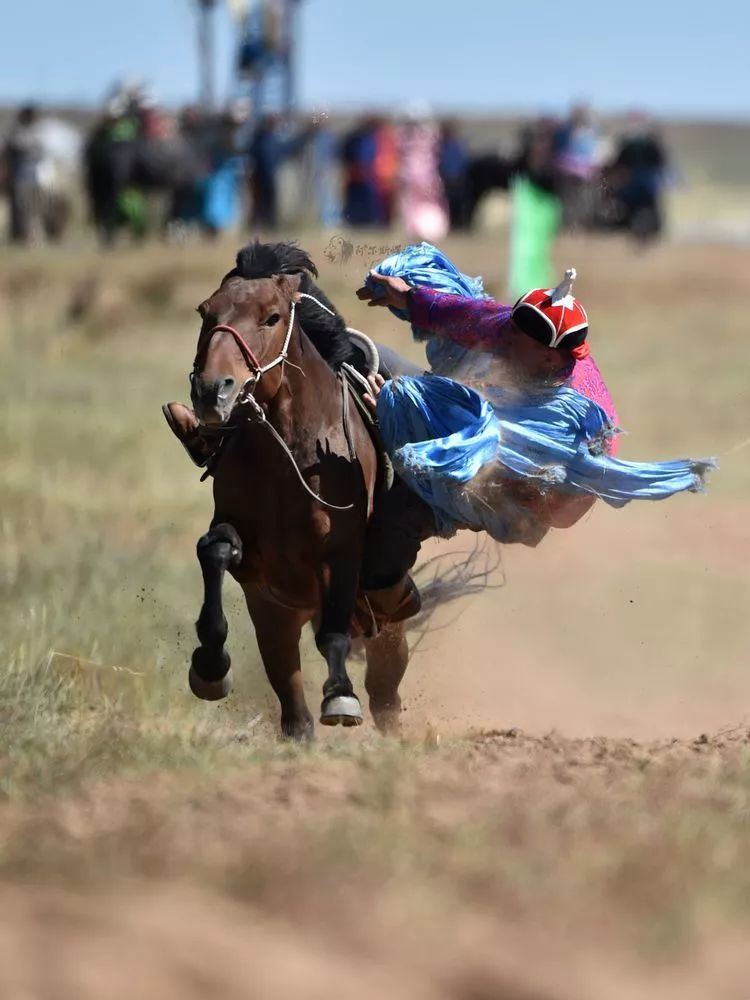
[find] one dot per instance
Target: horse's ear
(290, 283)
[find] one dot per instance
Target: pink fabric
(421, 194)
(588, 380)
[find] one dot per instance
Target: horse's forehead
(255, 292)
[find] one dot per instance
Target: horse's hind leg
(387, 659)
(278, 631)
(340, 704)
(210, 670)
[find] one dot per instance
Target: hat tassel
(565, 287)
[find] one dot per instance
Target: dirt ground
(567, 815)
(504, 866)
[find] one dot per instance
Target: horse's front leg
(278, 632)
(210, 670)
(333, 638)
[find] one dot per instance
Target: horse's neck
(309, 398)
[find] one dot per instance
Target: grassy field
(554, 825)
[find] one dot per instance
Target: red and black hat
(554, 317)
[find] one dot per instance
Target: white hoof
(341, 710)
(210, 690)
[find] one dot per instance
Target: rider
(542, 343)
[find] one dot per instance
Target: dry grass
(159, 847)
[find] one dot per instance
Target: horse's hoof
(300, 732)
(210, 690)
(387, 721)
(341, 710)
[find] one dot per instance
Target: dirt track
(503, 867)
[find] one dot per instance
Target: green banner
(534, 225)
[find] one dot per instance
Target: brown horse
(294, 485)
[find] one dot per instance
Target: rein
(246, 395)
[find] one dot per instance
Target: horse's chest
(282, 577)
(284, 561)
(287, 537)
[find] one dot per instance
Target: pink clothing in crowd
(421, 196)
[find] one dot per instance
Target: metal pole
(206, 53)
(290, 82)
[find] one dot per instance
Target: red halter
(247, 351)
(256, 368)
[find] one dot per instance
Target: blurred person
(535, 156)
(22, 155)
(453, 166)
(637, 175)
(196, 133)
(139, 165)
(536, 210)
(59, 174)
(359, 151)
(109, 155)
(43, 162)
(155, 124)
(421, 195)
(210, 198)
(270, 146)
(166, 168)
(385, 171)
(320, 182)
(222, 204)
(577, 145)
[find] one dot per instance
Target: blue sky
(688, 58)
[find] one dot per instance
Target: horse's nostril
(225, 386)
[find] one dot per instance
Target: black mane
(262, 260)
(327, 333)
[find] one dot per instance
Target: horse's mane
(327, 333)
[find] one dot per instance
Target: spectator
(23, 154)
(269, 147)
(536, 209)
(535, 159)
(358, 155)
(320, 170)
(421, 195)
(577, 147)
(454, 161)
(385, 169)
(108, 161)
(637, 176)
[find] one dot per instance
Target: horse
(294, 483)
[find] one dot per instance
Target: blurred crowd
(145, 170)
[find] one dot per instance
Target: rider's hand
(380, 290)
(371, 398)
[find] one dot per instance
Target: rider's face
(528, 355)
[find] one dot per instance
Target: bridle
(257, 370)
(246, 395)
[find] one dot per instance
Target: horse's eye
(272, 320)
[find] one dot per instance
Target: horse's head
(246, 325)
